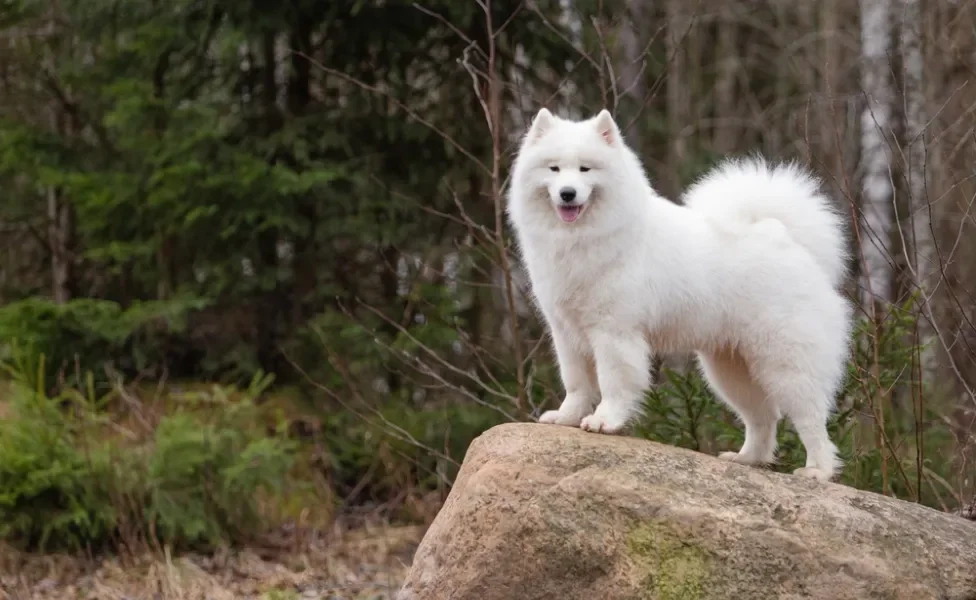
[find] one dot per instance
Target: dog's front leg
(578, 373)
(623, 371)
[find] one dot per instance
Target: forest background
(255, 276)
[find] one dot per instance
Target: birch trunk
(924, 260)
(877, 211)
(573, 25)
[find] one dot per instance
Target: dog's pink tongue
(569, 213)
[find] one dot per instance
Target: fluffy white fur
(745, 274)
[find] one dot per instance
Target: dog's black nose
(568, 194)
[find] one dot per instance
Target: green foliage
(202, 475)
(401, 448)
(425, 325)
(376, 449)
(52, 489)
(88, 335)
(202, 154)
(681, 411)
(69, 479)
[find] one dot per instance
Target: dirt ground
(365, 562)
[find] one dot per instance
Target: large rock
(555, 513)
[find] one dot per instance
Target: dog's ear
(540, 125)
(608, 128)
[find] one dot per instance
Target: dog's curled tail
(751, 190)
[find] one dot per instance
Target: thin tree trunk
(60, 233)
(779, 134)
(831, 111)
(693, 64)
(924, 260)
(569, 91)
(305, 258)
(165, 253)
(806, 112)
(632, 69)
(877, 211)
(807, 21)
(269, 306)
(281, 62)
(677, 92)
(726, 57)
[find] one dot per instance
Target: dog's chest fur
(576, 279)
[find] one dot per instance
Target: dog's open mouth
(569, 213)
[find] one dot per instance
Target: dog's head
(569, 163)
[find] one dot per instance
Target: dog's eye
(584, 169)
(554, 169)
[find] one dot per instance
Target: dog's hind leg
(806, 401)
(728, 375)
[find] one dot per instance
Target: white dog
(745, 274)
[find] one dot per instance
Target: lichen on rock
(669, 566)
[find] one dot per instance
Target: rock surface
(549, 512)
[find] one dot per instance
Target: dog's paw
(732, 457)
(555, 417)
(739, 458)
(814, 473)
(604, 422)
(748, 460)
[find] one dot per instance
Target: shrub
(202, 476)
(400, 448)
(86, 335)
(51, 487)
(68, 480)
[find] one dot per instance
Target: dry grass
(365, 562)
